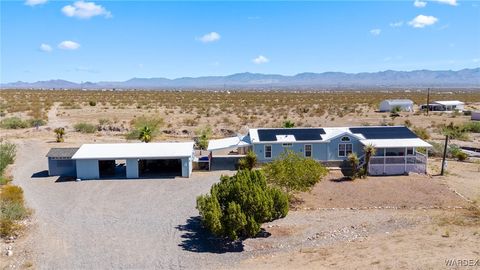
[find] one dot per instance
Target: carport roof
(135, 150)
(62, 152)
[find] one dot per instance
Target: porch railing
(398, 164)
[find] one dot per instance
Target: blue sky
(118, 40)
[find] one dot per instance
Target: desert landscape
(391, 222)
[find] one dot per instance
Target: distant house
(444, 106)
(389, 104)
(396, 146)
(476, 116)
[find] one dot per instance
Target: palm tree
(353, 160)
(369, 152)
(59, 132)
(145, 134)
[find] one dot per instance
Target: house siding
(333, 148)
(319, 150)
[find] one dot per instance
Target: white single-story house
(444, 106)
(388, 105)
(397, 147)
(476, 115)
(127, 160)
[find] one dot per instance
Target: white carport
(227, 151)
(89, 156)
(229, 143)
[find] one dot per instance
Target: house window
(268, 151)
(409, 151)
(344, 149)
(286, 144)
(345, 139)
(308, 150)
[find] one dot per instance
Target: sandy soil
(414, 191)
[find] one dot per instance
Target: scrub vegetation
(238, 205)
(12, 205)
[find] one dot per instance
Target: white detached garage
(388, 105)
(134, 160)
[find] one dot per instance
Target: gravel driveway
(112, 224)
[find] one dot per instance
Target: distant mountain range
(390, 78)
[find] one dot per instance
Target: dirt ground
(414, 191)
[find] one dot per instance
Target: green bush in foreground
(238, 205)
(85, 128)
(292, 172)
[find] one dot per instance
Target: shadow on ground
(40, 174)
(198, 239)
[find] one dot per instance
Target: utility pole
(428, 100)
(444, 155)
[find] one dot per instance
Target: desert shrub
(204, 135)
(7, 155)
(288, 124)
(422, 133)
(11, 194)
(473, 127)
(408, 123)
(292, 172)
(92, 103)
(14, 123)
(7, 227)
(461, 156)
(454, 132)
(248, 162)
(104, 121)
(85, 127)
(238, 205)
(4, 180)
(36, 122)
(153, 122)
(14, 210)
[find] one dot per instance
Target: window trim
(344, 149)
(265, 151)
(305, 150)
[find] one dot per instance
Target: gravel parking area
(112, 224)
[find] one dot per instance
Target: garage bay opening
(155, 168)
(112, 169)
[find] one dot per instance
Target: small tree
(395, 112)
(353, 160)
(204, 137)
(248, 162)
(59, 132)
(369, 152)
(238, 205)
(145, 134)
(288, 124)
(292, 172)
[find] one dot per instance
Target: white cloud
(210, 37)
(396, 24)
(45, 47)
(375, 32)
(421, 21)
(448, 2)
(68, 45)
(419, 3)
(85, 10)
(35, 2)
(260, 60)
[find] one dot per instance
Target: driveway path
(110, 224)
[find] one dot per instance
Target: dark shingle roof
(62, 152)
(384, 132)
(301, 134)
